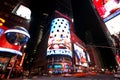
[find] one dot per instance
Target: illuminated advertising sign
(59, 52)
(11, 40)
(106, 7)
(22, 11)
(59, 42)
(112, 23)
(80, 57)
(57, 66)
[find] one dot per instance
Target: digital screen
(22, 11)
(11, 40)
(80, 57)
(59, 42)
(106, 7)
(17, 36)
(10, 50)
(112, 23)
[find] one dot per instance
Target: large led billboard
(11, 40)
(109, 10)
(80, 56)
(112, 23)
(22, 11)
(106, 7)
(59, 42)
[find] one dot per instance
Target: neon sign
(2, 21)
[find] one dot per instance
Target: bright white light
(110, 5)
(23, 12)
(10, 50)
(113, 25)
(17, 31)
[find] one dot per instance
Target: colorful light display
(11, 40)
(80, 56)
(112, 23)
(59, 42)
(106, 7)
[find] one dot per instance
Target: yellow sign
(2, 21)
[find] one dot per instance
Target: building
(88, 26)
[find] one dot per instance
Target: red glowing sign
(106, 7)
(6, 45)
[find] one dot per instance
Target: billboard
(11, 40)
(22, 11)
(59, 42)
(80, 56)
(112, 23)
(106, 7)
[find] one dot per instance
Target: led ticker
(57, 66)
(10, 51)
(59, 42)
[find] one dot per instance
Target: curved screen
(10, 51)
(17, 36)
(59, 42)
(11, 40)
(106, 7)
